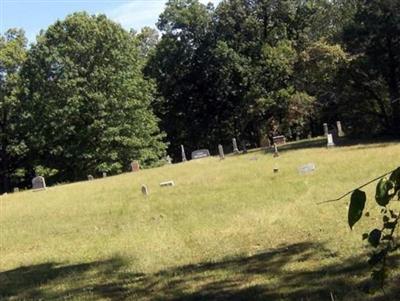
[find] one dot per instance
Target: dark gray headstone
(279, 140)
(221, 152)
(38, 183)
(201, 153)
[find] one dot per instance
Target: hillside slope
(229, 229)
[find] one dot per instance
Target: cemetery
(219, 221)
(200, 150)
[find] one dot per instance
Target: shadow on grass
(291, 272)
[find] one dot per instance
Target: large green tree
(12, 145)
(89, 105)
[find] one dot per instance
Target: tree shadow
(289, 272)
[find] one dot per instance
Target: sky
(34, 15)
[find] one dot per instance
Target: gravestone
(183, 154)
(309, 136)
(168, 159)
(264, 142)
(201, 153)
(326, 129)
(104, 175)
(340, 129)
(278, 140)
(135, 166)
(90, 178)
(167, 183)
(276, 169)
(276, 152)
(330, 141)
(221, 152)
(244, 147)
(16, 189)
(145, 190)
(304, 169)
(38, 183)
(297, 137)
(235, 147)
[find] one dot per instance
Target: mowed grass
(228, 230)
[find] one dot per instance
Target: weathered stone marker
(221, 152)
(145, 190)
(308, 168)
(279, 140)
(168, 159)
(201, 153)
(104, 175)
(326, 129)
(16, 189)
(135, 166)
(309, 136)
(276, 152)
(340, 129)
(90, 178)
(168, 183)
(38, 183)
(183, 154)
(235, 147)
(330, 141)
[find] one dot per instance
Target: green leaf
(395, 178)
(357, 204)
(374, 237)
(383, 195)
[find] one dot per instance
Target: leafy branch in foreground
(382, 239)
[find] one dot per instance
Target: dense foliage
(81, 99)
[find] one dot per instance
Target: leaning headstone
(90, 178)
(183, 154)
(145, 190)
(135, 166)
(235, 147)
(304, 169)
(38, 183)
(340, 129)
(221, 152)
(168, 183)
(326, 129)
(330, 141)
(104, 175)
(276, 152)
(16, 189)
(201, 153)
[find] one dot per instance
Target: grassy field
(228, 230)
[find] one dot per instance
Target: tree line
(89, 97)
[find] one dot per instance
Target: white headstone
(304, 169)
(145, 190)
(221, 152)
(340, 129)
(235, 147)
(183, 154)
(168, 183)
(326, 130)
(330, 141)
(90, 178)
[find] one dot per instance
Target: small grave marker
(183, 154)
(135, 166)
(167, 183)
(276, 152)
(307, 168)
(168, 159)
(16, 189)
(278, 140)
(90, 178)
(326, 130)
(201, 153)
(330, 141)
(221, 152)
(235, 147)
(340, 129)
(38, 183)
(145, 190)
(104, 175)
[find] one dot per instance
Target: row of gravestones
(39, 183)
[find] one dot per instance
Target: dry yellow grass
(229, 229)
